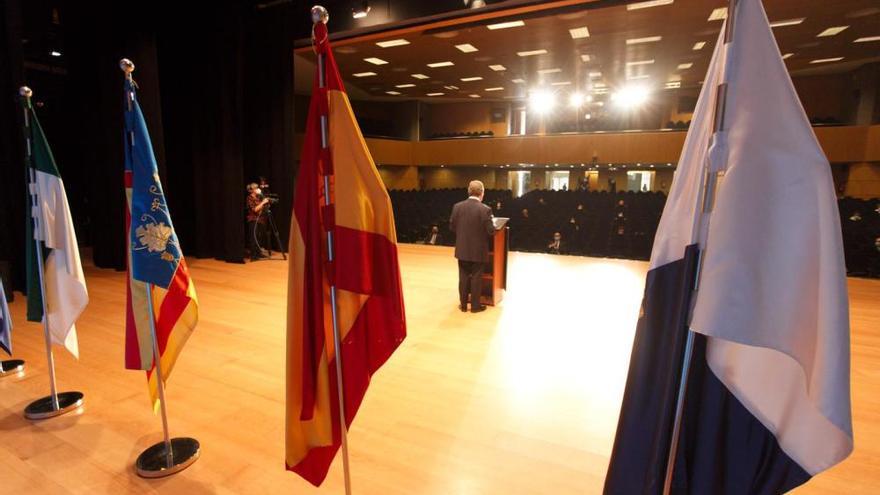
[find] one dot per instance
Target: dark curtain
(12, 173)
(216, 87)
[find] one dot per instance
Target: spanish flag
(155, 260)
(364, 270)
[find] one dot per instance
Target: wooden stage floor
(520, 399)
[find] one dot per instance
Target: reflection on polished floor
(520, 399)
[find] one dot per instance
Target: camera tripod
(273, 233)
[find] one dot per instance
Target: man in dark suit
(471, 221)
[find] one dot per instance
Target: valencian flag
(155, 261)
(365, 271)
(64, 285)
(5, 323)
(768, 398)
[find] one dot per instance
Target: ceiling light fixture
(468, 79)
(549, 71)
(390, 43)
(579, 33)
(560, 83)
(505, 25)
(641, 62)
(826, 60)
(585, 58)
(787, 55)
(531, 53)
(446, 63)
(866, 39)
(434, 94)
(518, 81)
(375, 61)
(364, 74)
(718, 14)
(419, 76)
(832, 31)
(361, 11)
(497, 67)
(787, 22)
(474, 96)
(685, 66)
(630, 97)
(408, 85)
(395, 93)
(699, 45)
(648, 4)
(647, 39)
(497, 88)
(467, 48)
(542, 101)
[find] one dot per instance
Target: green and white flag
(64, 283)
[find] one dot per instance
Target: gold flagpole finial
(25, 92)
(127, 66)
(320, 14)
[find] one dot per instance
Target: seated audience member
(433, 237)
(525, 215)
(555, 246)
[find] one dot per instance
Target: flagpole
(705, 203)
(54, 404)
(171, 455)
(320, 14)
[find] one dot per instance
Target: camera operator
(256, 221)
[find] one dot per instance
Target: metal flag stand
(55, 404)
(11, 367)
(706, 201)
(171, 455)
(320, 14)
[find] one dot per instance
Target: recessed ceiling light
(395, 93)
(446, 63)
(585, 58)
(673, 85)
(578, 33)
(685, 66)
(390, 43)
(718, 14)
(699, 45)
(561, 83)
(408, 85)
(467, 48)
(497, 88)
(641, 62)
(420, 76)
(474, 96)
(648, 4)
(826, 60)
(364, 74)
(647, 39)
(505, 25)
(787, 22)
(475, 78)
(594, 75)
(531, 52)
(451, 87)
(549, 71)
(832, 31)
(434, 94)
(55, 53)
(598, 85)
(519, 81)
(375, 61)
(787, 55)
(640, 76)
(497, 67)
(600, 91)
(866, 39)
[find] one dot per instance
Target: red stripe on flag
(377, 331)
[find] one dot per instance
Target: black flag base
(46, 407)
(154, 463)
(11, 367)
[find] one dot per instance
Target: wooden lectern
(495, 276)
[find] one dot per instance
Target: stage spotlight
(361, 11)
(576, 100)
(542, 101)
(630, 97)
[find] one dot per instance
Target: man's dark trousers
(470, 281)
